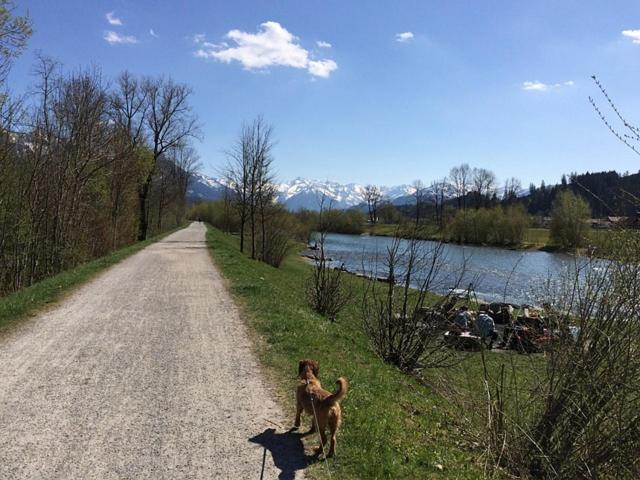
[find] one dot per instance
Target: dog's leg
(333, 428)
(322, 426)
(298, 413)
(334, 423)
(323, 441)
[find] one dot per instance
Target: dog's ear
(300, 367)
(315, 366)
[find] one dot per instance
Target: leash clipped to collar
(310, 394)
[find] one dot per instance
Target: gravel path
(146, 372)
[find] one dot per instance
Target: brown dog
(323, 406)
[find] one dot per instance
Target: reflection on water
(499, 274)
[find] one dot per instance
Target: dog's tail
(343, 386)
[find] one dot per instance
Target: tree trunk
(242, 225)
(143, 194)
(253, 232)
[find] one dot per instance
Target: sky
(366, 91)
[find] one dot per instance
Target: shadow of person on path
(287, 451)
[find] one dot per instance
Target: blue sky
(375, 106)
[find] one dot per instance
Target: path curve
(146, 372)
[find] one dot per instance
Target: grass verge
(394, 426)
(28, 301)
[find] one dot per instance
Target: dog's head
(308, 365)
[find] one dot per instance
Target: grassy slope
(28, 301)
(394, 427)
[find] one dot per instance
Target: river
(497, 274)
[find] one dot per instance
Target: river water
(497, 274)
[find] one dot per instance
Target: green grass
(426, 232)
(30, 300)
(536, 237)
(394, 426)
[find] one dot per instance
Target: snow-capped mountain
(304, 193)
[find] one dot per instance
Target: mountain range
(302, 193)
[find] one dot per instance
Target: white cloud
(535, 86)
(113, 20)
(544, 87)
(152, 33)
(115, 38)
(272, 45)
(633, 34)
(322, 44)
(199, 37)
(404, 37)
(322, 68)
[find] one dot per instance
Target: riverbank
(535, 238)
(395, 426)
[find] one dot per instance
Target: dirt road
(146, 372)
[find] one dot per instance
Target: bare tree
(238, 177)
(484, 183)
(249, 174)
(460, 178)
(512, 188)
(260, 192)
(373, 196)
(169, 121)
(439, 188)
(419, 193)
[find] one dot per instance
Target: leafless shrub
(327, 290)
(580, 418)
(277, 233)
(405, 323)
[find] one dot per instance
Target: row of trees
(87, 167)
(466, 208)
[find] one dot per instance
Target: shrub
(327, 291)
(495, 226)
(277, 235)
(569, 226)
(405, 327)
